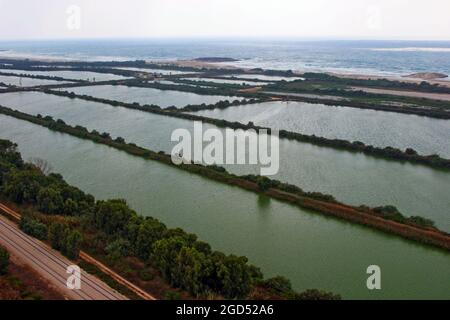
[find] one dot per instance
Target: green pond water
(378, 128)
(310, 249)
(157, 71)
(162, 98)
(68, 74)
(228, 81)
(263, 77)
(26, 82)
(352, 178)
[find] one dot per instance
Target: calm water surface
(311, 250)
(378, 128)
(71, 75)
(26, 82)
(351, 178)
(162, 98)
(158, 71)
(228, 81)
(263, 77)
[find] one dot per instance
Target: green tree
(112, 216)
(117, 249)
(119, 140)
(50, 201)
(8, 152)
(22, 186)
(391, 213)
(33, 227)
(72, 244)
(264, 183)
(164, 256)
(424, 222)
(150, 231)
(314, 294)
(56, 235)
(279, 286)
(70, 208)
(192, 268)
(234, 277)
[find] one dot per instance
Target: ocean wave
(411, 49)
(56, 57)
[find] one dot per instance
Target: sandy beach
(403, 78)
(212, 66)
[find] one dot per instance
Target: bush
(314, 294)
(33, 227)
(56, 235)
(4, 260)
(278, 285)
(112, 216)
(146, 275)
(117, 249)
(264, 183)
(172, 295)
(390, 213)
(72, 244)
(424, 222)
(63, 239)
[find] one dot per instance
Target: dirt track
(51, 265)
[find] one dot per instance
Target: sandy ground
(212, 66)
(196, 64)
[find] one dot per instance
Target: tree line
(423, 86)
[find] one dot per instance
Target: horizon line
(218, 38)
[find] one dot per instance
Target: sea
(374, 57)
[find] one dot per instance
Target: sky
(324, 19)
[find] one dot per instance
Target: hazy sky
(381, 19)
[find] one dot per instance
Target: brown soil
(251, 90)
(427, 76)
(22, 283)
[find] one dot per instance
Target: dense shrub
(314, 294)
(25, 183)
(392, 213)
(64, 239)
(183, 261)
(4, 260)
(33, 227)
